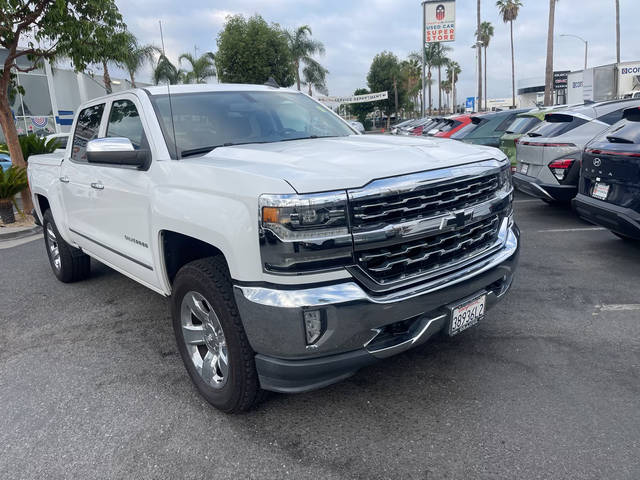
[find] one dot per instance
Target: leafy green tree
(383, 76)
(315, 76)
(202, 68)
(251, 51)
(509, 10)
(302, 48)
(45, 29)
(361, 110)
(137, 56)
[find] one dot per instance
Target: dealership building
(596, 84)
(52, 96)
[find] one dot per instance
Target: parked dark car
(486, 129)
(548, 156)
(609, 190)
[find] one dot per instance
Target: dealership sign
(369, 97)
(560, 80)
(439, 21)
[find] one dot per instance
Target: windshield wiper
(534, 134)
(201, 150)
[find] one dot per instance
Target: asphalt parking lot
(547, 387)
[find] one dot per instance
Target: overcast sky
(353, 31)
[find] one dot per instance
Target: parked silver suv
(548, 157)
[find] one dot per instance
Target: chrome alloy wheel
(54, 250)
(204, 339)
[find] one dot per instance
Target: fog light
(313, 325)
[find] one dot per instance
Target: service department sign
(439, 21)
(369, 97)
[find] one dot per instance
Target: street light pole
(586, 46)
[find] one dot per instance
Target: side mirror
(117, 151)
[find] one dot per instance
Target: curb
(19, 234)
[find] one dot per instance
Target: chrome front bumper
(273, 320)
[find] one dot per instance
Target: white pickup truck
(294, 250)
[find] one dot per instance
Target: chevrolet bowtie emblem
(457, 219)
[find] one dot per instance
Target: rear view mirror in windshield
(556, 124)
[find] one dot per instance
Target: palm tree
(410, 71)
(440, 61)
(315, 76)
(485, 35)
(167, 71)
(302, 48)
(445, 85)
(509, 10)
(202, 67)
(478, 46)
(453, 72)
(137, 56)
(548, 82)
(430, 56)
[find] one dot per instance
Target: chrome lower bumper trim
(351, 292)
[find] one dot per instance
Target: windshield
(522, 125)
(205, 120)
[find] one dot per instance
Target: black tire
(210, 279)
(74, 265)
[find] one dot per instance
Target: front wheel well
(179, 249)
(43, 203)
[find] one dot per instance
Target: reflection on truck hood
(345, 162)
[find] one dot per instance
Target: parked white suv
(294, 250)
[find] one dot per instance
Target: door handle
(64, 179)
(97, 186)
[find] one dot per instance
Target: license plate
(467, 315)
(600, 191)
(525, 168)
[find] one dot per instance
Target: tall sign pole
(424, 68)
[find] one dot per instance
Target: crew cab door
(76, 176)
(121, 225)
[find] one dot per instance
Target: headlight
(304, 233)
(302, 217)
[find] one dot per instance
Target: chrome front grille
(426, 225)
(431, 254)
(422, 202)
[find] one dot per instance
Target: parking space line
(620, 308)
(563, 230)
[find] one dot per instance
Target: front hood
(324, 164)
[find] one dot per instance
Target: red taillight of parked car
(559, 168)
(608, 152)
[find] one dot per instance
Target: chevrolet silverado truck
(294, 250)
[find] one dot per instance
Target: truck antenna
(173, 127)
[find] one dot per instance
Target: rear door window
(87, 127)
(556, 124)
